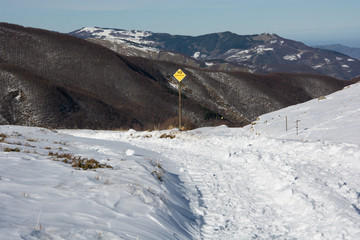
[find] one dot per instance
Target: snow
(350, 60)
(345, 66)
(256, 182)
(273, 41)
(209, 64)
(238, 55)
(196, 55)
(293, 57)
(290, 57)
(130, 39)
(113, 35)
(323, 119)
(43, 198)
(174, 85)
(261, 49)
(317, 66)
(243, 55)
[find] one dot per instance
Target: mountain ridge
(351, 51)
(90, 86)
(259, 53)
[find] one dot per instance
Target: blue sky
(309, 21)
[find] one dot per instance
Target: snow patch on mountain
(118, 35)
(260, 49)
(318, 66)
(249, 52)
(196, 55)
(290, 57)
(238, 55)
(293, 57)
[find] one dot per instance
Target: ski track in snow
(257, 182)
(267, 188)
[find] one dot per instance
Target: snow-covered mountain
(257, 182)
(55, 80)
(261, 53)
(118, 35)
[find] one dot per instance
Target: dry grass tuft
(321, 98)
(2, 137)
(78, 162)
(11, 149)
(159, 170)
(165, 135)
(31, 140)
(159, 175)
(173, 122)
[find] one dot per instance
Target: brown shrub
(2, 137)
(168, 136)
(173, 122)
(11, 149)
(78, 162)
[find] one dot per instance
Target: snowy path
(215, 183)
(256, 182)
(254, 187)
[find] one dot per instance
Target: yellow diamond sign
(179, 75)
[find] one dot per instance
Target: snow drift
(257, 182)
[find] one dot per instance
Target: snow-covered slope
(42, 197)
(257, 182)
(328, 118)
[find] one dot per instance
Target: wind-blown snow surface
(42, 197)
(258, 182)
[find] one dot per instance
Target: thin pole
(179, 106)
(297, 127)
(286, 124)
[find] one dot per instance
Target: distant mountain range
(263, 53)
(56, 80)
(350, 51)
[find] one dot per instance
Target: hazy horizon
(314, 22)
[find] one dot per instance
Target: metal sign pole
(179, 75)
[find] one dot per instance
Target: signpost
(179, 75)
